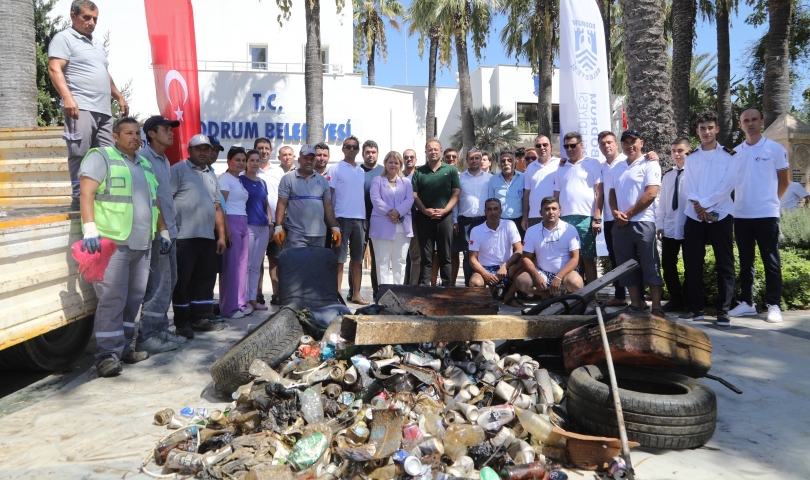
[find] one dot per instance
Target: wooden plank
(442, 300)
(394, 329)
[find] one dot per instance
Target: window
(527, 118)
(325, 60)
(258, 57)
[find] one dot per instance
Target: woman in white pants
(390, 226)
(259, 224)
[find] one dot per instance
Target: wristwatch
(597, 220)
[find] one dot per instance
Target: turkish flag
(174, 60)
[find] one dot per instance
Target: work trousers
(233, 278)
(162, 278)
(764, 232)
(258, 237)
(719, 236)
(670, 248)
(439, 233)
(620, 292)
(90, 130)
(119, 296)
(193, 295)
(391, 257)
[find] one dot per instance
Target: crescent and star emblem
(172, 76)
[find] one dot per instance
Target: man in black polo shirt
(435, 189)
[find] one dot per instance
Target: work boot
(132, 357)
(108, 367)
(154, 345)
(168, 336)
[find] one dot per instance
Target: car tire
(52, 351)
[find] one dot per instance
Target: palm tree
(776, 100)
(369, 30)
(494, 130)
(531, 33)
(684, 15)
(723, 9)
(18, 77)
(649, 105)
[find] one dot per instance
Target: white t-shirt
(538, 179)
(552, 248)
(272, 177)
(629, 183)
(494, 247)
(237, 195)
(793, 195)
(607, 215)
(756, 192)
(709, 179)
(349, 184)
(575, 183)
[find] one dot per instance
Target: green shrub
(795, 226)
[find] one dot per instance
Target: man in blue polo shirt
(507, 186)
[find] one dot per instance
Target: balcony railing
(232, 66)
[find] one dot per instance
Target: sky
(404, 67)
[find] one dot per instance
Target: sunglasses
(542, 145)
(531, 159)
(570, 146)
(351, 147)
(236, 150)
(451, 156)
(409, 157)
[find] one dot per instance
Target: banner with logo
(174, 61)
(585, 104)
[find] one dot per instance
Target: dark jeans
(621, 292)
(193, 295)
(434, 232)
(719, 236)
(669, 264)
(764, 232)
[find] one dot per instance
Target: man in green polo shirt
(435, 189)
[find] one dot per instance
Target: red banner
(174, 60)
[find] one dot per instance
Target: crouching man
(491, 245)
(550, 256)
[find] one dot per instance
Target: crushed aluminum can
(307, 451)
(407, 463)
(346, 398)
(617, 468)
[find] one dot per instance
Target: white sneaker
(247, 310)
(774, 314)
(743, 310)
(238, 314)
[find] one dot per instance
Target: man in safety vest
(118, 201)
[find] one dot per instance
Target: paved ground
(77, 426)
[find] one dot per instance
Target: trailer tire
(661, 409)
(51, 351)
(272, 341)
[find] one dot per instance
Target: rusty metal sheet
(440, 300)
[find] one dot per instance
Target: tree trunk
(545, 69)
(723, 75)
(18, 80)
(372, 51)
(649, 105)
(604, 10)
(684, 14)
(313, 73)
(465, 92)
(776, 99)
(430, 121)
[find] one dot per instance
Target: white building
(251, 78)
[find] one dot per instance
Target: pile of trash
(334, 411)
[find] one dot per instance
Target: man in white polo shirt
(632, 190)
(491, 247)
(538, 181)
(550, 255)
(578, 187)
(469, 212)
(347, 183)
(763, 176)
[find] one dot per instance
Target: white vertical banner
(584, 88)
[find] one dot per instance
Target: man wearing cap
(304, 200)
(153, 334)
(507, 186)
(347, 183)
(578, 187)
(77, 66)
(538, 182)
(119, 202)
(199, 216)
(632, 190)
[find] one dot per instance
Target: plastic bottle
(489, 474)
(195, 462)
(311, 406)
(527, 471)
(464, 434)
(434, 425)
(493, 418)
(539, 427)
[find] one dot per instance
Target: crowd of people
(529, 229)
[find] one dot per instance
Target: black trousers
(670, 248)
(719, 235)
(462, 243)
(434, 232)
(620, 292)
(367, 243)
(764, 232)
(193, 295)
